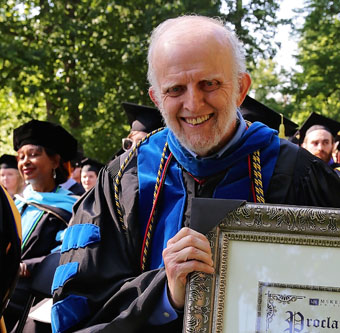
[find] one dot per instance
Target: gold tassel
(282, 128)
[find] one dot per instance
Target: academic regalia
(10, 252)
(336, 165)
(73, 187)
(253, 110)
(72, 184)
(316, 122)
(44, 215)
(40, 226)
(48, 135)
(77, 189)
(8, 162)
(123, 299)
(331, 125)
(89, 164)
(141, 118)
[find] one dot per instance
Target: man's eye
(175, 91)
(209, 85)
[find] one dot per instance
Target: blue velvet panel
(63, 273)
(80, 235)
(76, 309)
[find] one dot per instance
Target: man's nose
(320, 146)
(193, 99)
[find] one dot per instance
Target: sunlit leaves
(82, 58)
(318, 83)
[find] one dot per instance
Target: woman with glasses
(143, 120)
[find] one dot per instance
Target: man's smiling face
(197, 90)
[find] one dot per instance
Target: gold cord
(257, 176)
(120, 175)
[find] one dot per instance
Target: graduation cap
(320, 122)
(47, 135)
(337, 137)
(76, 160)
(88, 164)
(8, 162)
(143, 118)
(252, 110)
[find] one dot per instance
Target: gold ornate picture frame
(277, 269)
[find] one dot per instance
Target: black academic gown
(40, 243)
(121, 299)
(77, 189)
(10, 251)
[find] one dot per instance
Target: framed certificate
(277, 269)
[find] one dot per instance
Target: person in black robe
(73, 183)
(89, 172)
(142, 120)
(317, 135)
(44, 206)
(10, 252)
(10, 177)
(126, 256)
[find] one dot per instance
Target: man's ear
(244, 84)
(153, 96)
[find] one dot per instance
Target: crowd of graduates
(47, 176)
(44, 180)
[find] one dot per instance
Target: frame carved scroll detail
(265, 223)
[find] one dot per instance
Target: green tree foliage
(317, 86)
(79, 59)
(269, 86)
(85, 57)
(255, 22)
(14, 112)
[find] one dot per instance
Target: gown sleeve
(99, 283)
(42, 241)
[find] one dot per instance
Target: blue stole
(235, 184)
(61, 198)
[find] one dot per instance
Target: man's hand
(186, 252)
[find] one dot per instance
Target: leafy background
(74, 62)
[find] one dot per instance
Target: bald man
(129, 250)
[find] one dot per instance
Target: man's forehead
(198, 33)
(319, 134)
(189, 51)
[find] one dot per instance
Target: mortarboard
(88, 164)
(8, 162)
(76, 160)
(329, 125)
(252, 110)
(143, 118)
(337, 137)
(47, 135)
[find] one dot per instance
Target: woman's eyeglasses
(127, 143)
